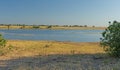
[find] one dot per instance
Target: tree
(111, 39)
(85, 25)
(8, 26)
(93, 26)
(2, 41)
(23, 26)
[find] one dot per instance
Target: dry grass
(53, 55)
(31, 48)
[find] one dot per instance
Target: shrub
(2, 41)
(10, 47)
(85, 25)
(46, 46)
(36, 27)
(111, 39)
(49, 27)
(72, 51)
(1, 52)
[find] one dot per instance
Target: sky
(59, 12)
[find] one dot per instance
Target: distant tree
(23, 26)
(85, 25)
(109, 22)
(1, 24)
(8, 26)
(111, 39)
(115, 21)
(54, 25)
(49, 27)
(80, 26)
(93, 26)
(75, 26)
(36, 27)
(64, 25)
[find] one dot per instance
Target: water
(57, 35)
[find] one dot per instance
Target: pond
(56, 35)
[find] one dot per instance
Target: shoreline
(53, 28)
(50, 41)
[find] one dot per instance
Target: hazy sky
(59, 12)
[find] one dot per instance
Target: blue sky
(59, 12)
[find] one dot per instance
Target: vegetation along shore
(71, 27)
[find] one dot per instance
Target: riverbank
(55, 55)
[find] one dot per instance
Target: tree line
(45, 25)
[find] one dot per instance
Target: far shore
(52, 27)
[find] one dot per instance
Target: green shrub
(36, 27)
(111, 39)
(1, 52)
(49, 27)
(47, 46)
(10, 47)
(2, 41)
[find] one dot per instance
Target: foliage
(1, 52)
(10, 47)
(35, 27)
(85, 25)
(47, 46)
(2, 41)
(49, 26)
(93, 26)
(111, 39)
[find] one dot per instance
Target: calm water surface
(57, 35)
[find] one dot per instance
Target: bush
(49, 27)
(1, 52)
(2, 41)
(36, 27)
(111, 39)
